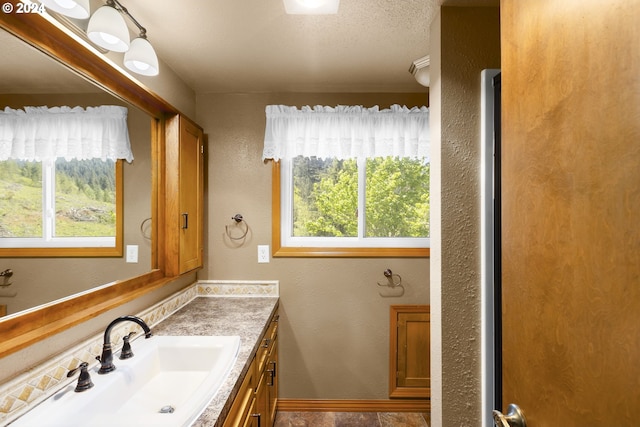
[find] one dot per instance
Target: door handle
(514, 417)
(185, 221)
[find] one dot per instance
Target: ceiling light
(108, 29)
(141, 58)
(78, 9)
(420, 70)
(311, 7)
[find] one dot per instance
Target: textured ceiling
(254, 46)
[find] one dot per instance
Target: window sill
(317, 252)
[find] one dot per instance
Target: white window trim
(286, 218)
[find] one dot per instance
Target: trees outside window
(377, 202)
(63, 203)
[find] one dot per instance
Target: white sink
(182, 373)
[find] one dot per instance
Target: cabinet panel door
(410, 367)
(413, 360)
(272, 376)
(262, 401)
(191, 196)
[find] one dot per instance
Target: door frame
(491, 298)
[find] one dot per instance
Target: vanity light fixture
(420, 70)
(108, 29)
(78, 9)
(311, 7)
(141, 58)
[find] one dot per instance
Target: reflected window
(61, 204)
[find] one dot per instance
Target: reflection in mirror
(30, 78)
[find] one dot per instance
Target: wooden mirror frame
(34, 325)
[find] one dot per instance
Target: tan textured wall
(469, 42)
(41, 280)
(334, 329)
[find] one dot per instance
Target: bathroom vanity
(252, 383)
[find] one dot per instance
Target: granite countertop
(246, 317)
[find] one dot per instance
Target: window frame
(279, 250)
(81, 251)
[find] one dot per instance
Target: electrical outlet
(263, 254)
(132, 254)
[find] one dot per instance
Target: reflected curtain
(346, 132)
(43, 133)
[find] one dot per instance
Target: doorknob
(514, 417)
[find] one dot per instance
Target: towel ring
(394, 281)
(144, 228)
(238, 219)
(6, 275)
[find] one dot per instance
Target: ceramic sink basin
(169, 382)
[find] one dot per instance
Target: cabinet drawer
(266, 344)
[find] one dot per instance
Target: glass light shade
(78, 9)
(141, 58)
(108, 29)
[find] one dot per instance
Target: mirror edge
(26, 329)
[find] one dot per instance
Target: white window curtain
(346, 132)
(43, 133)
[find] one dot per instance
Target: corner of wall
(464, 41)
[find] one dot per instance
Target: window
(61, 180)
(371, 202)
(61, 204)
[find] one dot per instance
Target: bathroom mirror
(28, 77)
(28, 326)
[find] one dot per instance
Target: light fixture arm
(118, 6)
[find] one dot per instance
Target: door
(571, 211)
(191, 195)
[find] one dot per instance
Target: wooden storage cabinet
(267, 372)
(256, 402)
(409, 352)
(184, 198)
(243, 406)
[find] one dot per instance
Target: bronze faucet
(84, 381)
(106, 360)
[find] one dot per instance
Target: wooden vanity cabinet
(184, 196)
(267, 374)
(240, 414)
(256, 402)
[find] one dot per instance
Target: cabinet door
(272, 382)
(410, 352)
(191, 195)
(261, 409)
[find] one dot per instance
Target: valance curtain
(42, 133)
(346, 132)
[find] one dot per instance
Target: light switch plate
(132, 254)
(263, 254)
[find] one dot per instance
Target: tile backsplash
(30, 388)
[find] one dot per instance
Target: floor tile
(357, 419)
(351, 419)
(396, 419)
(305, 419)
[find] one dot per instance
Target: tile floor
(350, 419)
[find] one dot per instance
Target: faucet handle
(126, 351)
(84, 380)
